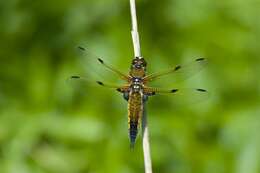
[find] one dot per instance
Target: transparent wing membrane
(97, 71)
(98, 67)
(180, 95)
(84, 81)
(178, 72)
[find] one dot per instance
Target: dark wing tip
(201, 90)
(101, 61)
(200, 59)
(75, 77)
(81, 48)
(174, 90)
(100, 83)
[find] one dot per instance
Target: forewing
(92, 68)
(177, 73)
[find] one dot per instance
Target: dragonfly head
(138, 63)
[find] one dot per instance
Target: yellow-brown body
(135, 111)
(135, 100)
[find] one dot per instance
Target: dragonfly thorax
(136, 79)
(136, 85)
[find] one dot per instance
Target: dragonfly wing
(180, 95)
(84, 81)
(178, 72)
(98, 67)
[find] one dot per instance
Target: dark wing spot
(200, 59)
(201, 90)
(101, 61)
(174, 90)
(75, 77)
(100, 83)
(81, 48)
(177, 67)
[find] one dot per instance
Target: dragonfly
(136, 89)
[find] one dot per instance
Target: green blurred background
(47, 126)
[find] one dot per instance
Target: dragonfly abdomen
(133, 130)
(135, 109)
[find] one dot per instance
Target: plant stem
(146, 143)
(145, 130)
(134, 32)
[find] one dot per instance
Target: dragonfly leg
(126, 95)
(145, 97)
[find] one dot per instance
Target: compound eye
(143, 63)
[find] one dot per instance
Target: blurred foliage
(49, 126)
